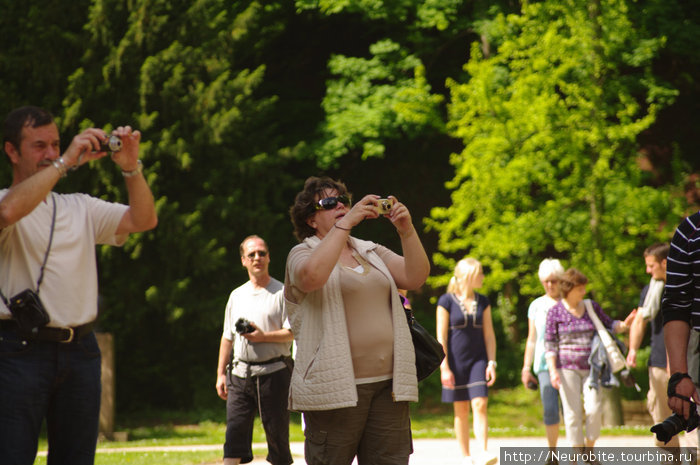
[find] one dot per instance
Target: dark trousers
(267, 395)
(56, 381)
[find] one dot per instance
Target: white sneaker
(487, 458)
(467, 460)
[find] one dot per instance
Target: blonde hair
(462, 280)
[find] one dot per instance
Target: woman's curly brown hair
(305, 203)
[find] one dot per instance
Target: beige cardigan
(323, 377)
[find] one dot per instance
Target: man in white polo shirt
(257, 379)
(49, 358)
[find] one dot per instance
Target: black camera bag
(28, 311)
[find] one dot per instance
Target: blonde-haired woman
(465, 330)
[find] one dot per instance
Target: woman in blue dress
(465, 330)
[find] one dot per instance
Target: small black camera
(112, 144)
(243, 326)
(532, 385)
(28, 310)
(675, 424)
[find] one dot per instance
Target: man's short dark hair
(659, 251)
(27, 116)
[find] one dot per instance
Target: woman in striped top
(568, 336)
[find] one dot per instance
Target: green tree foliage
(675, 131)
(189, 75)
(34, 66)
(371, 101)
(37, 64)
(239, 102)
(549, 168)
(386, 92)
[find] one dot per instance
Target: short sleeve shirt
(265, 308)
(69, 288)
(537, 312)
(570, 338)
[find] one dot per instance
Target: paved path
(428, 451)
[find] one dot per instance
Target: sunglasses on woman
(329, 203)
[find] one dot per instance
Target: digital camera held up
(243, 326)
(384, 206)
(112, 144)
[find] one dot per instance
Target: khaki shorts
(657, 399)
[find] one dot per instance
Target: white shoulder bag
(617, 361)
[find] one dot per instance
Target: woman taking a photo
(465, 330)
(568, 337)
(354, 371)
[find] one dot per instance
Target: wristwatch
(493, 363)
(139, 169)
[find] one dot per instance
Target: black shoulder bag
(429, 353)
(26, 307)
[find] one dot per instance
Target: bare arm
(529, 356)
(490, 341)
(279, 335)
(224, 358)
(553, 372)
(412, 269)
(24, 196)
(21, 199)
(676, 334)
(442, 328)
(141, 215)
(636, 335)
(551, 350)
(313, 273)
(622, 326)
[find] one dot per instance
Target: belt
(49, 333)
(266, 362)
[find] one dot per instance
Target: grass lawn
(513, 412)
(152, 458)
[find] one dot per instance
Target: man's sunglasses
(329, 203)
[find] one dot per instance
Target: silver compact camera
(384, 205)
(112, 144)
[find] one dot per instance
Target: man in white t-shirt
(51, 369)
(655, 259)
(257, 378)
